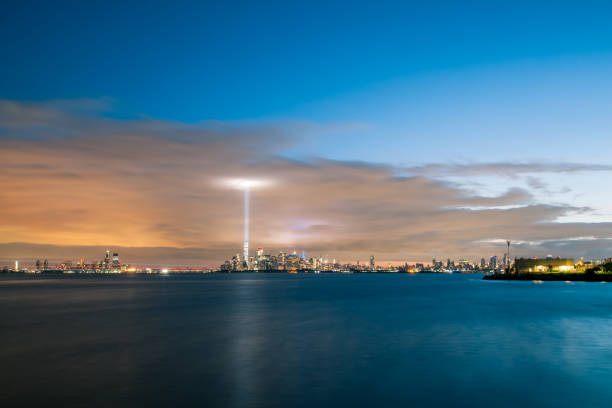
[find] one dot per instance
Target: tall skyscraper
(259, 260)
(371, 261)
(493, 262)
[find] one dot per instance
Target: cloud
(75, 182)
(504, 169)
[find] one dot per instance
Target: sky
(408, 131)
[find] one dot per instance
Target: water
(280, 340)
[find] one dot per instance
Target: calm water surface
(279, 340)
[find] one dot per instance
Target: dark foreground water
(305, 341)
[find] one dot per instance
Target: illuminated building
(292, 262)
(235, 262)
(493, 262)
(372, 262)
(282, 260)
(258, 262)
(548, 264)
(313, 263)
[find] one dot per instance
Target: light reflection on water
(306, 340)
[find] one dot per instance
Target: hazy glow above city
(245, 183)
(397, 139)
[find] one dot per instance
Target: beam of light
(244, 184)
(247, 200)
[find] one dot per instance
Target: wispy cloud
(505, 169)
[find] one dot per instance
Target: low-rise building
(549, 264)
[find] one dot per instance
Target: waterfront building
(292, 262)
(548, 264)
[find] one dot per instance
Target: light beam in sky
(246, 185)
(247, 199)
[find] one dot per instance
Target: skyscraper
(372, 262)
(493, 262)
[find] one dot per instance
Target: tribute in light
(246, 185)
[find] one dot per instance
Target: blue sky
(460, 74)
(235, 60)
(390, 83)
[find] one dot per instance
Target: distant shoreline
(59, 272)
(552, 277)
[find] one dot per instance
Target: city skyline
(402, 139)
(291, 262)
(91, 256)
